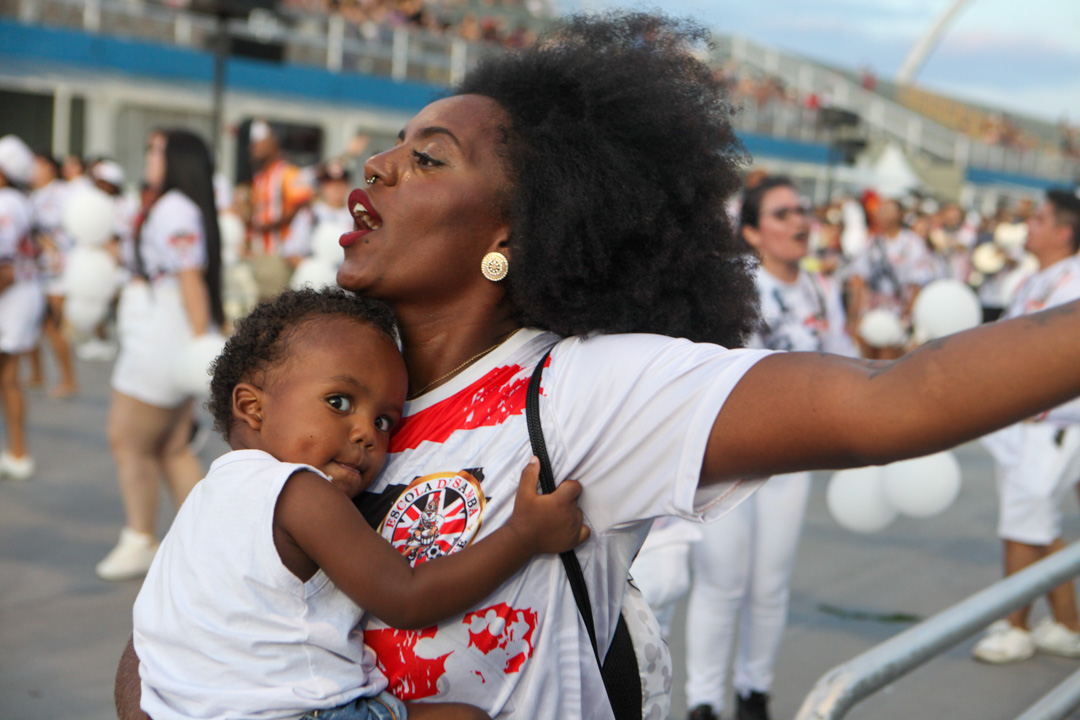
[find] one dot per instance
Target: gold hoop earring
(494, 266)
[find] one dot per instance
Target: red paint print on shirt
(505, 630)
(411, 677)
(487, 402)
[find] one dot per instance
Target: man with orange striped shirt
(278, 192)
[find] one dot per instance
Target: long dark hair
(189, 169)
(622, 156)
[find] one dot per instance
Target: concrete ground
(62, 629)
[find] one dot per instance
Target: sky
(1019, 55)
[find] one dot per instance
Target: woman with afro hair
(570, 197)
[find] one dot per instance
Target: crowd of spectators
(508, 23)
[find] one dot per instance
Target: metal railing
(889, 119)
(409, 54)
(847, 684)
(309, 39)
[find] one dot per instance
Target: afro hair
(622, 158)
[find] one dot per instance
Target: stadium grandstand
(91, 77)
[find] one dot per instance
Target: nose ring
(371, 180)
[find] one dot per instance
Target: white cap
(259, 131)
(108, 171)
(16, 159)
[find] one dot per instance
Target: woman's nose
(382, 166)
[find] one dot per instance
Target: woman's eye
(383, 423)
(340, 402)
(424, 159)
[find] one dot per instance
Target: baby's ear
(247, 405)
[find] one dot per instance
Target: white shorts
(22, 307)
(154, 331)
(1032, 489)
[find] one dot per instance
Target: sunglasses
(783, 213)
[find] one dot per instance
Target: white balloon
(232, 232)
(881, 328)
(922, 487)
(945, 307)
(192, 368)
(89, 273)
(313, 273)
(325, 245)
(856, 500)
(84, 314)
(88, 216)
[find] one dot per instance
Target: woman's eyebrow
(433, 130)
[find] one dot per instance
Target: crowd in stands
(508, 23)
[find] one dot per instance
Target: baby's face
(332, 403)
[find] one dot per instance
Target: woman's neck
(787, 272)
(435, 343)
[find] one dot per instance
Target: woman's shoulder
(175, 202)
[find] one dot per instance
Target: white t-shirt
(629, 417)
(172, 237)
(224, 630)
(16, 245)
(1051, 286)
(890, 266)
(302, 229)
(804, 316)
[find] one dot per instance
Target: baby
(251, 607)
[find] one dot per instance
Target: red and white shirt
(17, 247)
(172, 238)
(629, 417)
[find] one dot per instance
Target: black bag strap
(619, 669)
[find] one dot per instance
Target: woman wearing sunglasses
(742, 568)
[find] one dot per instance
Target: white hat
(259, 131)
(16, 159)
(108, 171)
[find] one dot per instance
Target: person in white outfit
(21, 300)
(302, 564)
(888, 275)
(49, 197)
(1038, 461)
(174, 296)
(742, 567)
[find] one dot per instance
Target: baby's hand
(547, 523)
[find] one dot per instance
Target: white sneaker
(1004, 643)
(16, 468)
(130, 558)
(1055, 639)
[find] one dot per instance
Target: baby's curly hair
(261, 339)
(622, 158)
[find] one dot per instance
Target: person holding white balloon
(742, 567)
(1038, 460)
(173, 298)
(885, 279)
(22, 303)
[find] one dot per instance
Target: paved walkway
(62, 629)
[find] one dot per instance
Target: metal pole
(221, 55)
(843, 686)
(1057, 704)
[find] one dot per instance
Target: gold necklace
(460, 367)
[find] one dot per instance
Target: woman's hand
(550, 523)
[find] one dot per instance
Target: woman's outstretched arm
(808, 411)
